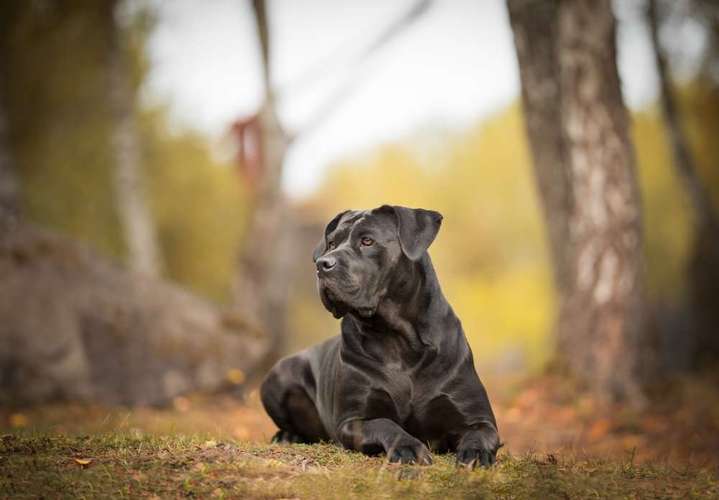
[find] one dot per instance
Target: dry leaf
(18, 420)
(181, 404)
(235, 376)
(599, 429)
(83, 461)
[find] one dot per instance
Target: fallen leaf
(83, 461)
(18, 420)
(599, 429)
(181, 404)
(235, 376)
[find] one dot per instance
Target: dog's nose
(326, 263)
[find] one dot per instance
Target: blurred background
(166, 168)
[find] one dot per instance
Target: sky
(450, 69)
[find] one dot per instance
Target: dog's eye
(331, 245)
(366, 241)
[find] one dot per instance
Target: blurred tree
(260, 292)
(130, 192)
(535, 27)
(600, 320)
(60, 122)
(9, 204)
(704, 263)
(604, 347)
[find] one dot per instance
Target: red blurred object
(248, 134)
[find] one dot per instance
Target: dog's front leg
(371, 436)
(478, 446)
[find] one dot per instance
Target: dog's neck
(411, 306)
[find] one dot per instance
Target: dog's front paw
(471, 457)
(479, 447)
(283, 437)
(410, 451)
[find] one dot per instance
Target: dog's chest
(399, 386)
(410, 392)
(405, 381)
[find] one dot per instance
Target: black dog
(400, 377)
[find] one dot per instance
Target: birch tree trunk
(602, 341)
(584, 165)
(129, 184)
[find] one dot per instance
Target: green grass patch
(127, 465)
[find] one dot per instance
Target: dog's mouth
(340, 302)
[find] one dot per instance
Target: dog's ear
(416, 228)
(322, 245)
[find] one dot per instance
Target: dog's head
(363, 252)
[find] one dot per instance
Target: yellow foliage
(199, 205)
(667, 215)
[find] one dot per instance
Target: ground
(558, 445)
(123, 465)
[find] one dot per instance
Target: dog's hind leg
(285, 395)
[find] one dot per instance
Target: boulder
(76, 326)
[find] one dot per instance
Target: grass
(132, 464)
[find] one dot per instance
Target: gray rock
(74, 325)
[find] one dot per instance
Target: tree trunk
(130, 193)
(683, 159)
(584, 165)
(535, 27)
(704, 263)
(261, 285)
(9, 203)
(602, 338)
(260, 292)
